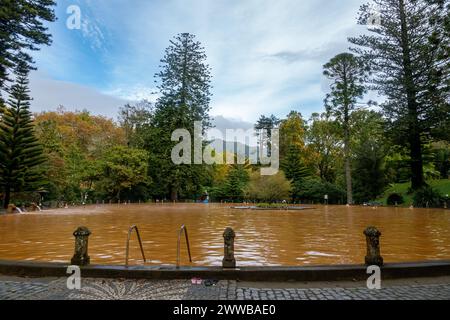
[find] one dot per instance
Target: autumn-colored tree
(74, 144)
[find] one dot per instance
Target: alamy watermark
(374, 18)
(73, 22)
(74, 280)
(190, 149)
(374, 281)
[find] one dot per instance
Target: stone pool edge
(267, 274)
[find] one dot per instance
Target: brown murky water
(325, 235)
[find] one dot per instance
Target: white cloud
(136, 92)
(93, 33)
(48, 94)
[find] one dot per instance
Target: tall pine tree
(348, 75)
(22, 30)
(184, 84)
(263, 128)
(20, 152)
(295, 170)
(185, 78)
(408, 54)
(235, 183)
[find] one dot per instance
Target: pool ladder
(128, 244)
(180, 232)
(183, 228)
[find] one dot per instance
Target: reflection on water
(325, 235)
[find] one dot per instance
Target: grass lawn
(443, 186)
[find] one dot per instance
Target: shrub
(314, 190)
(268, 188)
(427, 197)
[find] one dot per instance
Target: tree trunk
(7, 197)
(348, 169)
(417, 179)
(174, 194)
(118, 196)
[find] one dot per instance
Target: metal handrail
(183, 228)
(128, 244)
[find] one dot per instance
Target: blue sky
(266, 56)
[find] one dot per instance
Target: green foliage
(292, 133)
(397, 165)
(185, 78)
(369, 153)
(368, 172)
(314, 191)
(123, 168)
(185, 94)
(404, 189)
(348, 75)
(408, 58)
(324, 145)
(294, 169)
(232, 189)
(136, 120)
(427, 197)
(74, 144)
(20, 151)
(441, 159)
(293, 165)
(268, 188)
(263, 128)
(22, 30)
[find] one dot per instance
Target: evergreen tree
(348, 75)
(185, 83)
(263, 128)
(185, 78)
(439, 85)
(292, 133)
(22, 30)
(294, 169)
(20, 151)
(370, 149)
(235, 183)
(408, 57)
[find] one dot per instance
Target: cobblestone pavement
(107, 289)
(415, 292)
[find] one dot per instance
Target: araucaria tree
(263, 128)
(408, 54)
(184, 84)
(347, 74)
(185, 78)
(20, 151)
(22, 30)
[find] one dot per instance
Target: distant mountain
(230, 146)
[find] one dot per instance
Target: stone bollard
(373, 256)
(81, 258)
(228, 260)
